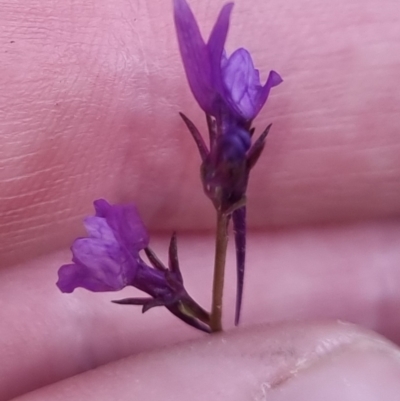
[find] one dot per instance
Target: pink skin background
(89, 98)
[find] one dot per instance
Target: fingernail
(369, 370)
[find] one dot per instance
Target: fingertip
(284, 362)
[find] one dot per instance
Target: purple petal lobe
(216, 45)
(126, 224)
(245, 95)
(194, 55)
(97, 227)
(242, 82)
(73, 276)
(274, 79)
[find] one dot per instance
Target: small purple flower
(230, 92)
(108, 260)
(220, 84)
(228, 89)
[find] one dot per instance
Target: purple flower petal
(72, 276)
(108, 259)
(245, 94)
(194, 55)
(99, 266)
(216, 44)
(126, 224)
(274, 79)
(97, 227)
(242, 82)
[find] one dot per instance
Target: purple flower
(221, 85)
(230, 92)
(108, 260)
(228, 89)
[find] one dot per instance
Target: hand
(89, 101)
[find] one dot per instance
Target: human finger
(279, 363)
(350, 273)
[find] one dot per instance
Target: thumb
(324, 361)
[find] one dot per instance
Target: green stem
(221, 244)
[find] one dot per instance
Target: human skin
(89, 98)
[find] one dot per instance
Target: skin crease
(88, 107)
